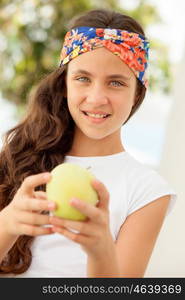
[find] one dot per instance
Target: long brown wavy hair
(42, 138)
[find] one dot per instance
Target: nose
(97, 95)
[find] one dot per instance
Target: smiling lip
(96, 112)
(95, 120)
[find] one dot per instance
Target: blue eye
(82, 79)
(117, 83)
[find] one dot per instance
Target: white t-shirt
(131, 185)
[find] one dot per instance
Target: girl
(76, 115)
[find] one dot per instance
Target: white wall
(168, 258)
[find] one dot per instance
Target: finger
(35, 230)
(87, 209)
(40, 195)
(81, 227)
(33, 181)
(75, 237)
(34, 218)
(102, 192)
(33, 204)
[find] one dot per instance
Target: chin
(96, 135)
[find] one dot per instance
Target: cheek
(73, 102)
(72, 99)
(124, 106)
(74, 95)
(71, 107)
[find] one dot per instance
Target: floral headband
(132, 48)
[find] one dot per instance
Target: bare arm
(138, 235)
(7, 240)
(130, 254)
(104, 266)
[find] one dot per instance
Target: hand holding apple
(93, 234)
(70, 181)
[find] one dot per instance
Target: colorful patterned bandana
(132, 48)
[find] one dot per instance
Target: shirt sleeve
(148, 186)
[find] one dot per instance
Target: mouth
(96, 116)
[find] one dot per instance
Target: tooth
(96, 115)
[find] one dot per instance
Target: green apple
(70, 180)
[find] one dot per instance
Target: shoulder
(133, 167)
(140, 173)
(145, 185)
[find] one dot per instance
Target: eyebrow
(121, 76)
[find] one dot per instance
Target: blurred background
(31, 34)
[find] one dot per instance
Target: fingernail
(47, 175)
(51, 205)
(95, 181)
(74, 201)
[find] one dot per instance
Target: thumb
(32, 181)
(102, 192)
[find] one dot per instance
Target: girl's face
(100, 93)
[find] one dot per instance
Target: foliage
(31, 38)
